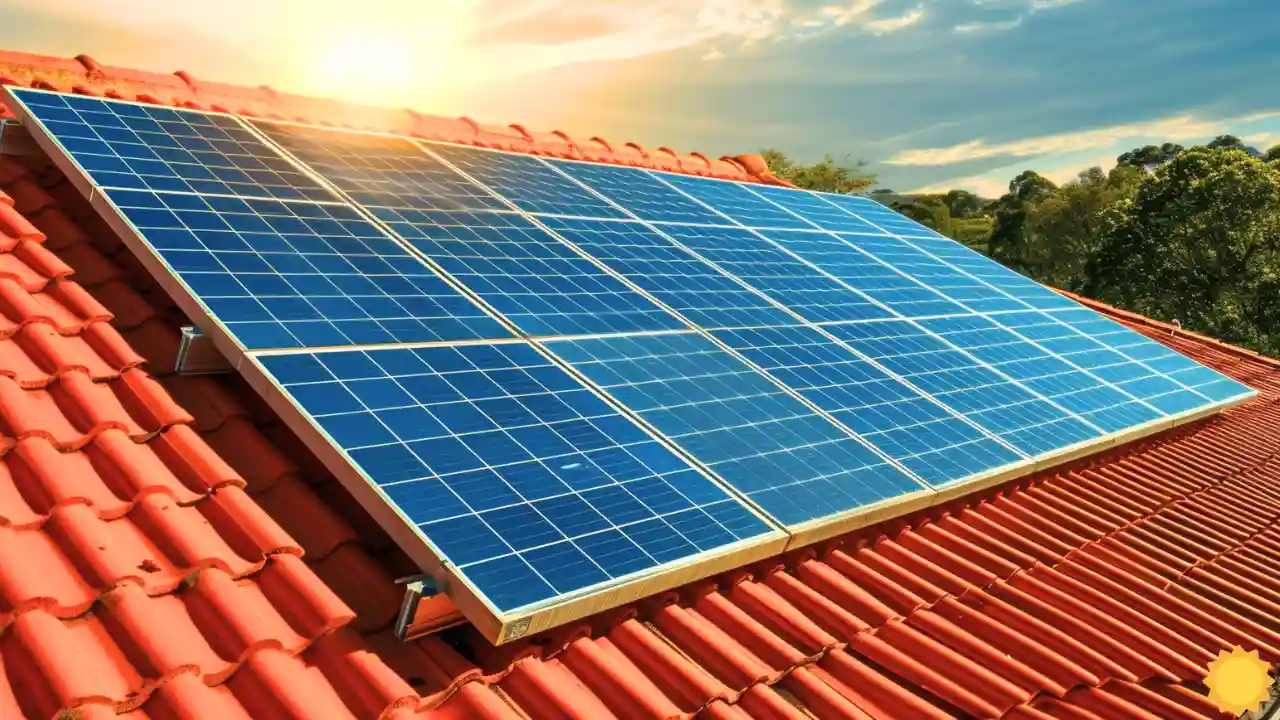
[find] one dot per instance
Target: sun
(381, 67)
(1238, 681)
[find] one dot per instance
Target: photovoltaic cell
(522, 478)
(282, 275)
(122, 145)
(695, 289)
(1020, 417)
(794, 283)
(813, 208)
(925, 436)
(860, 270)
(735, 201)
(378, 171)
(525, 273)
(641, 192)
(528, 182)
(795, 464)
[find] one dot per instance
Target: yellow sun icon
(1238, 681)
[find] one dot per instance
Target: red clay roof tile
(168, 549)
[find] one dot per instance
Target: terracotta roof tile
(168, 549)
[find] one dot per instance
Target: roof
(169, 550)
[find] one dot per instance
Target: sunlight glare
(382, 67)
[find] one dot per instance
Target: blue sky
(936, 93)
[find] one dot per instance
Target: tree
(824, 176)
(963, 204)
(1063, 227)
(1273, 155)
(1149, 155)
(1200, 243)
(930, 211)
(1007, 242)
(1231, 142)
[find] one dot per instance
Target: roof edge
(86, 76)
(1174, 330)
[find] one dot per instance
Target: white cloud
(884, 26)
(971, 28)
(714, 55)
(1050, 4)
(1262, 140)
(1181, 127)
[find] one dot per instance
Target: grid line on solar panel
(379, 171)
(918, 431)
(734, 201)
(1000, 404)
(697, 290)
(794, 463)
(145, 147)
(539, 282)
(640, 192)
(297, 274)
(1124, 373)
(791, 282)
(521, 477)
(525, 181)
(1022, 417)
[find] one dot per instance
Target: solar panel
(141, 147)
(531, 277)
(792, 462)
(924, 435)
(379, 171)
(678, 279)
(527, 482)
(701, 364)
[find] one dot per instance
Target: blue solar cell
(1024, 419)
(641, 192)
(285, 274)
(1053, 376)
(880, 216)
(864, 273)
(813, 208)
(378, 171)
(695, 289)
(925, 436)
(793, 283)
(734, 200)
(795, 464)
(525, 480)
(146, 147)
(526, 181)
(525, 273)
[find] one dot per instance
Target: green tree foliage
(1200, 243)
(931, 211)
(1063, 227)
(1273, 155)
(1008, 240)
(824, 176)
(1150, 155)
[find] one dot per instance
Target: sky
(935, 94)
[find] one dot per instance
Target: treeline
(1180, 234)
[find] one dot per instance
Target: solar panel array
(565, 375)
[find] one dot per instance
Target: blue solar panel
(528, 182)
(795, 464)
(123, 145)
(734, 200)
(924, 435)
(534, 279)
(848, 355)
(379, 171)
(641, 192)
(281, 275)
(695, 289)
(526, 481)
(865, 273)
(1022, 418)
(797, 285)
